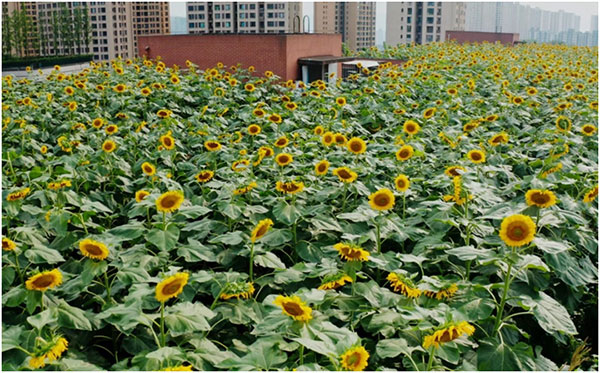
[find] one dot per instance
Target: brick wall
(276, 52)
(479, 37)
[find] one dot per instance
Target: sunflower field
(440, 214)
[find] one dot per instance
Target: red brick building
(275, 52)
(479, 37)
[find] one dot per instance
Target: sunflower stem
(344, 198)
(252, 262)
(430, 362)
(18, 267)
(403, 205)
(42, 301)
(301, 354)
(537, 219)
(378, 231)
(164, 221)
(162, 324)
(80, 216)
(107, 285)
(12, 171)
(507, 281)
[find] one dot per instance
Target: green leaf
(389, 348)
(42, 319)
(128, 232)
(8, 276)
(166, 353)
(470, 253)
(269, 260)
(475, 309)
(72, 317)
(196, 252)
(493, 355)
(550, 314)
(11, 337)
(285, 213)
(319, 347)
(70, 365)
(14, 297)
(230, 210)
(187, 318)
(264, 354)
(550, 247)
(193, 212)
(229, 238)
(164, 240)
(277, 237)
(40, 254)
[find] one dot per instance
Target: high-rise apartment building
(422, 22)
(105, 29)
(354, 20)
(243, 17)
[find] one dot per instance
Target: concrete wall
(276, 52)
(479, 37)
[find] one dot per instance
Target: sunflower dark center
(344, 174)
(404, 153)
(516, 231)
(44, 281)
(588, 129)
(540, 198)
(382, 200)
(401, 184)
(283, 159)
(93, 249)
(171, 288)
(293, 308)
(322, 167)
(262, 230)
(410, 128)
(168, 202)
(148, 169)
(356, 146)
(476, 156)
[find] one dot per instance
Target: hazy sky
(582, 9)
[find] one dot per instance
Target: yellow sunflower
(591, 195)
(204, 176)
(169, 201)
(382, 200)
(340, 101)
(109, 146)
(355, 359)
(322, 167)
(588, 129)
(140, 195)
(93, 249)
(164, 113)
(275, 118)
(501, 138)
(404, 153)
(345, 174)
(453, 171)
(327, 138)
(171, 287)
(53, 351)
(261, 229)
(318, 130)
(356, 145)
(401, 284)
(167, 141)
(294, 307)
(540, 198)
(148, 168)
(351, 253)
(212, 145)
(334, 281)
(563, 124)
(283, 159)
(429, 112)
(8, 244)
(340, 139)
(517, 100)
(258, 112)
(111, 129)
(282, 142)
(44, 280)
(254, 129)
(448, 334)
(517, 230)
(179, 368)
(402, 183)
(411, 127)
(476, 156)
(237, 290)
(445, 293)
(291, 187)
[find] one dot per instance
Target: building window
(430, 29)
(217, 7)
(430, 20)
(430, 11)
(409, 11)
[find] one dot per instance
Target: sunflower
(501, 138)
(167, 141)
(404, 153)
(145, 91)
(471, 126)
(327, 138)
(411, 127)
(532, 91)
(53, 350)
(588, 129)
(591, 195)
(112, 129)
(140, 195)
(169, 201)
(334, 281)
(212, 145)
(254, 129)
(93, 249)
(517, 230)
(20, 194)
(429, 112)
(69, 90)
(291, 187)
(204, 176)
(72, 106)
(563, 124)
(452, 91)
(179, 368)
(448, 334)
(283, 159)
(109, 146)
(322, 167)
(340, 101)
(171, 287)
(245, 189)
(291, 106)
(237, 290)
(453, 171)
(275, 118)
(261, 229)
(8, 244)
(268, 152)
(294, 307)
(282, 142)
(345, 174)
(517, 100)
(355, 359)
(258, 112)
(340, 139)
(356, 145)
(540, 198)
(164, 113)
(44, 280)
(445, 293)
(476, 156)
(318, 130)
(401, 284)
(402, 183)
(351, 253)
(148, 168)
(382, 200)
(120, 88)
